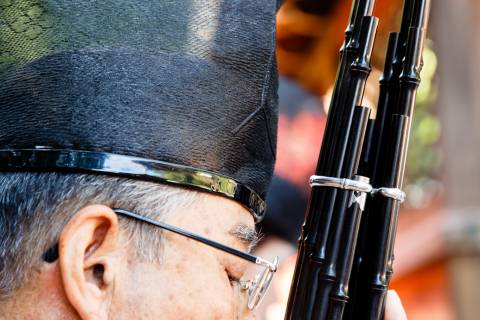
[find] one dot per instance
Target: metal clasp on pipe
(393, 193)
(358, 184)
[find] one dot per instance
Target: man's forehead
(231, 219)
(226, 210)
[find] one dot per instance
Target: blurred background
(437, 264)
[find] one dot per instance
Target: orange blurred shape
(425, 293)
(308, 44)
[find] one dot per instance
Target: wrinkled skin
(97, 278)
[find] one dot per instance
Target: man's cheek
(239, 302)
(205, 293)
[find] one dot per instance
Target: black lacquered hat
(178, 92)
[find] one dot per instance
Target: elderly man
(137, 143)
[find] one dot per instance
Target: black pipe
(350, 227)
(376, 259)
(304, 266)
(326, 249)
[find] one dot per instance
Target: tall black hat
(180, 92)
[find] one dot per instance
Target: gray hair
(35, 207)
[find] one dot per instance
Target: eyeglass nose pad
(245, 285)
(256, 281)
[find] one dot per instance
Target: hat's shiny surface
(190, 83)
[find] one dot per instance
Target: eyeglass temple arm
(195, 237)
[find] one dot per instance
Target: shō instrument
(345, 253)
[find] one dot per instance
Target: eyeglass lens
(260, 285)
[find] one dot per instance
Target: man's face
(193, 281)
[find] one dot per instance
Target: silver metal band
(358, 184)
(393, 193)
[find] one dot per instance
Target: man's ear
(89, 253)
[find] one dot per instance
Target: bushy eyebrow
(246, 235)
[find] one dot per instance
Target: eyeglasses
(256, 288)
